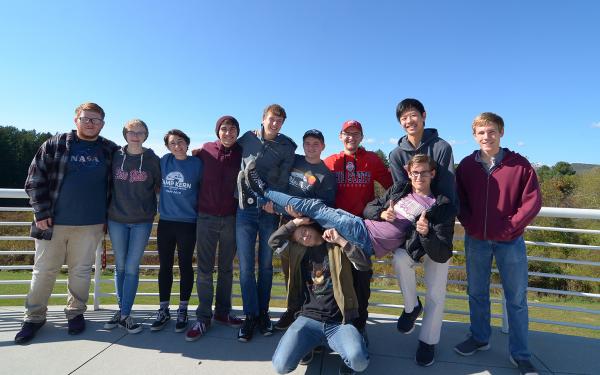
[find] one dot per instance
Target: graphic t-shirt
(321, 304)
(312, 181)
(82, 197)
(388, 236)
(179, 190)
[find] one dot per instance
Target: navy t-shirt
(82, 197)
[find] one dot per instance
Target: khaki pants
(436, 278)
(74, 246)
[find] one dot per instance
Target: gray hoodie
(135, 179)
(274, 159)
(439, 150)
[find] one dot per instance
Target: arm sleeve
(446, 180)
(531, 202)
(374, 208)
(438, 242)
(37, 185)
(280, 239)
(285, 168)
(381, 174)
(357, 257)
(464, 212)
(397, 169)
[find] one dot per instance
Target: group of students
(254, 196)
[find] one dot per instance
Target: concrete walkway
(99, 351)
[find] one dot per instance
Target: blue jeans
(351, 227)
(256, 293)
(511, 259)
(128, 243)
(305, 334)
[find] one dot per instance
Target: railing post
(505, 327)
(98, 273)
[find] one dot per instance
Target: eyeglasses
(94, 121)
(424, 174)
(353, 134)
(137, 134)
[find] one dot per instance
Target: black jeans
(171, 234)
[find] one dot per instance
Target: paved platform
(100, 351)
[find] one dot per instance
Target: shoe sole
(425, 364)
(158, 328)
(192, 339)
(243, 339)
(267, 333)
(481, 348)
(228, 324)
(407, 332)
(132, 331)
(179, 330)
(110, 325)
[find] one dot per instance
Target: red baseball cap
(352, 123)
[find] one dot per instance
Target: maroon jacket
(221, 167)
(497, 206)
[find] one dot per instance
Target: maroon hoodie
(499, 205)
(221, 167)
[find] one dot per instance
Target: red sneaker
(198, 330)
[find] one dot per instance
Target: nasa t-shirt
(179, 190)
(82, 197)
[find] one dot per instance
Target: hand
(301, 221)
(268, 207)
(44, 224)
(290, 211)
(332, 236)
(389, 214)
(422, 225)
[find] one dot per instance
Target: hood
(429, 135)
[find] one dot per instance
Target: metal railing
(571, 213)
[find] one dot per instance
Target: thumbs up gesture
(422, 224)
(389, 214)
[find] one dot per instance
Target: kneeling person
(331, 304)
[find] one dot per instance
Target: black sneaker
(286, 320)
(182, 320)
(307, 359)
(245, 197)
(524, 365)
(76, 325)
(247, 330)
(114, 321)
(253, 179)
(406, 321)
(28, 331)
(265, 326)
(162, 318)
(470, 347)
(425, 354)
(130, 326)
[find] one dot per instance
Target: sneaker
(228, 320)
(286, 320)
(265, 326)
(307, 359)
(406, 321)
(470, 347)
(130, 326)
(76, 325)
(198, 330)
(345, 370)
(524, 365)
(425, 354)
(28, 331)
(247, 329)
(182, 320)
(162, 318)
(114, 321)
(253, 179)
(245, 197)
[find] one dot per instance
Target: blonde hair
(135, 122)
(488, 118)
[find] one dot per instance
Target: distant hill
(581, 167)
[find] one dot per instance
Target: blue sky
(183, 64)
